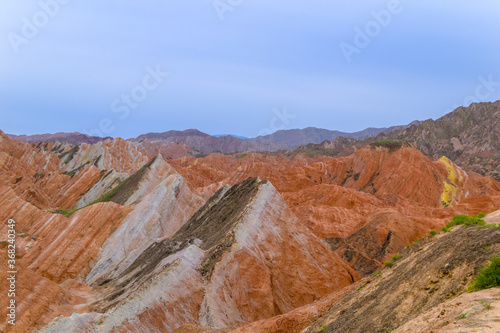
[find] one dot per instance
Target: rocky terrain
(152, 236)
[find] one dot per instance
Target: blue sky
(233, 65)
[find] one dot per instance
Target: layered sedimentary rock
(334, 197)
(158, 215)
(56, 253)
(116, 154)
(110, 180)
(227, 266)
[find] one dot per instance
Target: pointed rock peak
(218, 216)
(211, 226)
(124, 192)
(116, 140)
(2, 136)
(159, 157)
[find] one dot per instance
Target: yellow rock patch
(451, 189)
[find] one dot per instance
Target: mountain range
(155, 234)
(204, 143)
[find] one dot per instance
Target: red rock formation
(116, 154)
(168, 151)
(227, 266)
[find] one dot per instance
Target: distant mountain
(280, 140)
(298, 137)
(178, 142)
(205, 143)
(236, 136)
(74, 138)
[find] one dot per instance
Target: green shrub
(323, 328)
(486, 226)
(397, 257)
(391, 144)
(462, 315)
(444, 229)
(481, 215)
(66, 212)
(488, 277)
(466, 220)
(388, 264)
(433, 232)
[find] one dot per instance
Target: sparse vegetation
(467, 220)
(390, 144)
(120, 193)
(388, 263)
(323, 328)
(486, 305)
(397, 257)
(66, 212)
(433, 233)
(444, 229)
(242, 155)
(462, 315)
(486, 226)
(488, 277)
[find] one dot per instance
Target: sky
(245, 67)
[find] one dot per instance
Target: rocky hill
(468, 135)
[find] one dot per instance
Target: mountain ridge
(225, 143)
